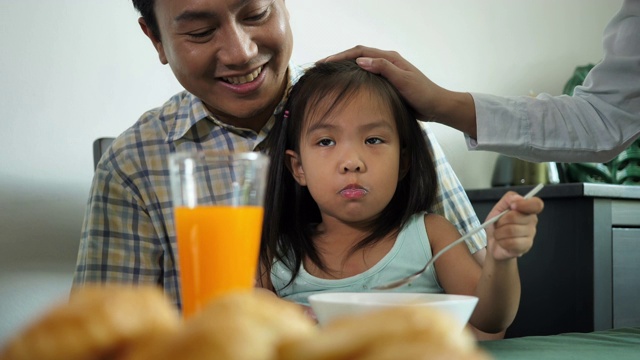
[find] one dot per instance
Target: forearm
(498, 291)
(548, 128)
(457, 110)
(595, 124)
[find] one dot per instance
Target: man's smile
(239, 80)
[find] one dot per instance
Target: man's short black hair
(145, 8)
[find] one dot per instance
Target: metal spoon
(410, 278)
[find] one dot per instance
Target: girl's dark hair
(145, 8)
(290, 212)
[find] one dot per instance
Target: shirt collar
(192, 110)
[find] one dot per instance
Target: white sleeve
(600, 120)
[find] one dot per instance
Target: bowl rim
(387, 298)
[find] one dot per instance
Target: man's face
(232, 54)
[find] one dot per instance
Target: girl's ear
(295, 167)
(405, 164)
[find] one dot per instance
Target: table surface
(618, 344)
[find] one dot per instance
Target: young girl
(350, 186)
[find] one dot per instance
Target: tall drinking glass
(218, 209)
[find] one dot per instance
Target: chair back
(100, 145)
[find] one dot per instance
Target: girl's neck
(334, 234)
(334, 244)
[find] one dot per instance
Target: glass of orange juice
(218, 210)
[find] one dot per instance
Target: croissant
(137, 323)
(96, 322)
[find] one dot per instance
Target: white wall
(75, 70)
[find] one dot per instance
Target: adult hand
(420, 92)
(429, 101)
(512, 235)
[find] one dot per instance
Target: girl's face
(350, 160)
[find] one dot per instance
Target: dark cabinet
(626, 277)
(583, 272)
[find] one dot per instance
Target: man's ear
(405, 164)
(155, 41)
(295, 166)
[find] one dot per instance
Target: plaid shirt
(128, 233)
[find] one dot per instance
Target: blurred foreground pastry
(414, 333)
(238, 326)
(97, 322)
(127, 323)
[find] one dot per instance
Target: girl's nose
(352, 165)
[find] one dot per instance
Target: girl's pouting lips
(353, 192)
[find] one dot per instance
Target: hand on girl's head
(512, 236)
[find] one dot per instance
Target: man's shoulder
(178, 103)
(159, 122)
(147, 140)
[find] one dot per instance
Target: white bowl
(328, 306)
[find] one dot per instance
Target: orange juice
(218, 250)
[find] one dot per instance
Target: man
(231, 56)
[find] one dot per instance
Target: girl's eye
(326, 142)
(373, 141)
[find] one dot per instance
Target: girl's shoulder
(439, 229)
(433, 219)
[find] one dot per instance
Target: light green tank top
(409, 254)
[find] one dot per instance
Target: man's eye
(262, 13)
(373, 141)
(325, 142)
(259, 16)
(201, 34)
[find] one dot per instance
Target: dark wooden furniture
(583, 272)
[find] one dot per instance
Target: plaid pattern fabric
(128, 233)
(452, 201)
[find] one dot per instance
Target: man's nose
(238, 47)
